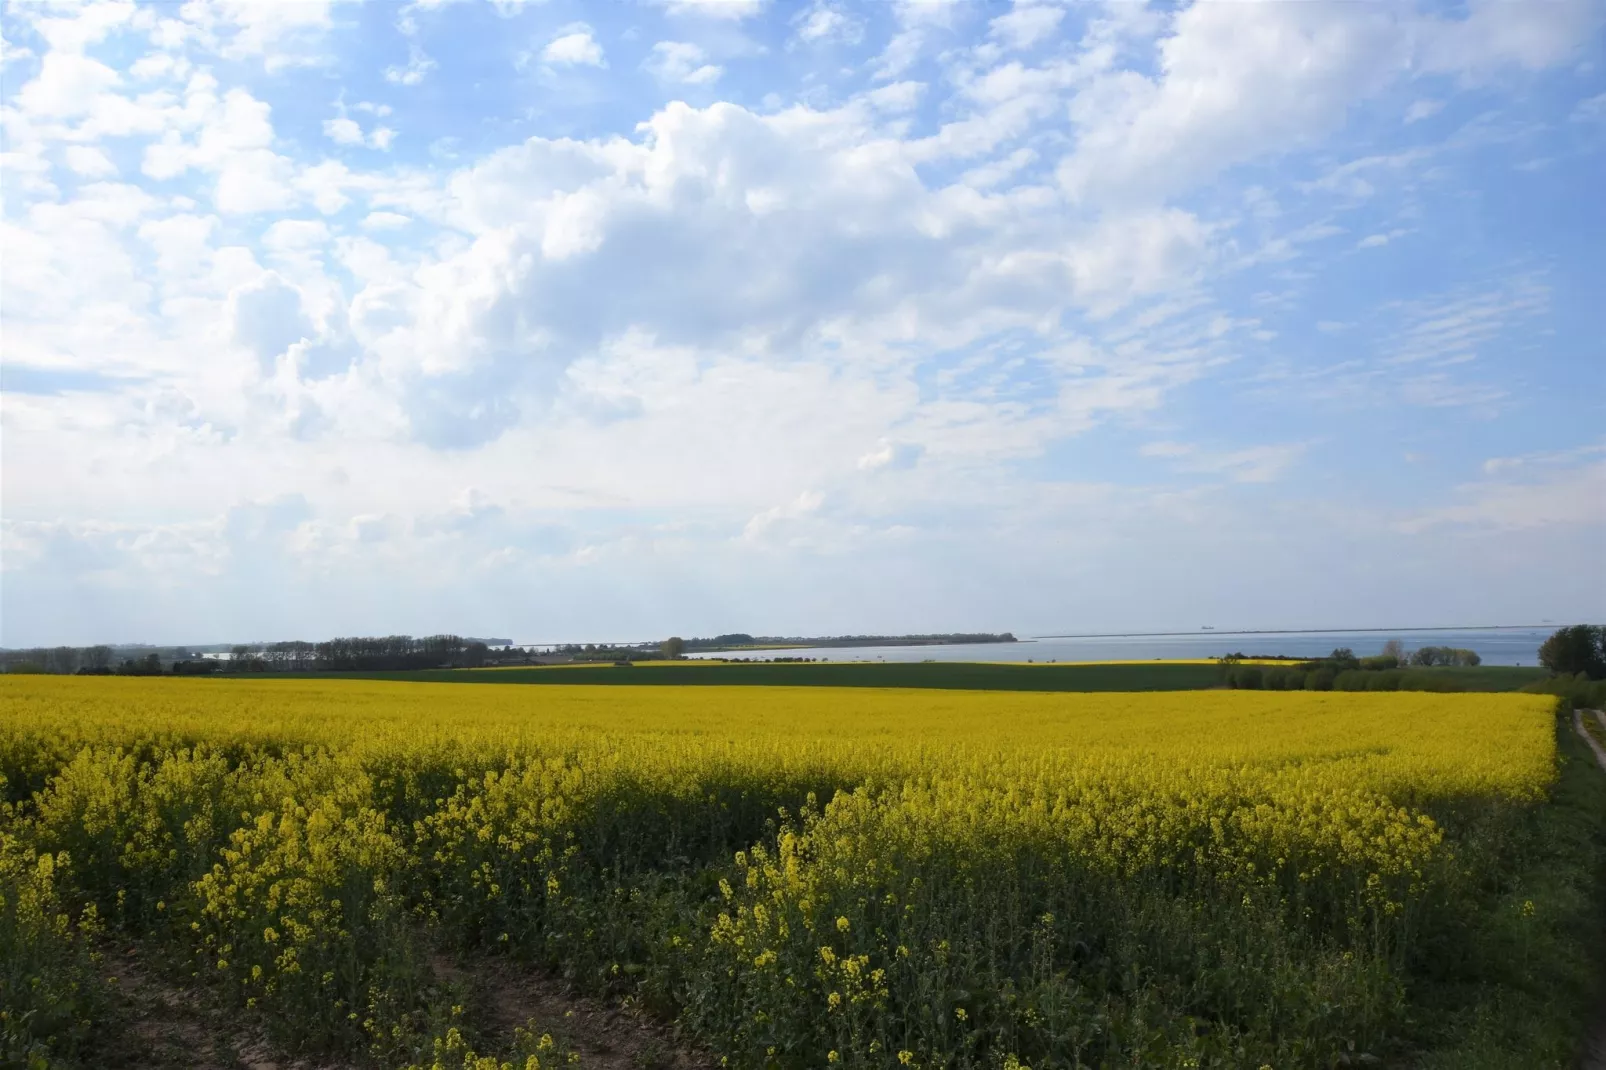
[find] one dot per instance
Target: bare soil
(1594, 1057)
(606, 1035)
(166, 1027)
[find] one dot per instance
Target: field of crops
(802, 877)
(947, 675)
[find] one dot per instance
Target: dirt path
(606, 1036)
(164, 1027)
(1594, 1057)
(159, 1026)
(1594, 745)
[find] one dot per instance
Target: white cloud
(385, 221)
(824, 21)
(1256, 464)
(343, 131)
(715, 9)
(888, 454)
(1423, 109)
(1591, 110)
(1237, 81)
(1026, 24)
(1559, 497)
(762, 524)
(417, 68)
(277, 32)
(574, 46)
(681, 62)
(66, 86)
(1496, 34)
(901, 53)
(89, 161)
(1542, 459)
(854, 318)
(346, 131)
(1451, 330)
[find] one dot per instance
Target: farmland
(809, 876)
(949, 675)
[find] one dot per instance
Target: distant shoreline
(1296, 631)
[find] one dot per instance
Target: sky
(611, 321)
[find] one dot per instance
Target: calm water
(1501, 646)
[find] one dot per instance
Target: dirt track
(1595, 1054)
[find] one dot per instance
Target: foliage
(1428, 656)
(1578, 691)
(1580, 648)
(804, 877)
(946, 675)
(51, 993)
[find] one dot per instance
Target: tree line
(345, 654)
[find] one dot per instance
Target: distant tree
(1580, 648)
(1396, 650)
(1343, 658)
(673, 647)
(1431, 656)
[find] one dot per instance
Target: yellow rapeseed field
(805, 876)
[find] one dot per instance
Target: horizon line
(1294, 631)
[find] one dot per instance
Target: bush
(1578, 691)
(1320, 680)
(1352, 680)
(1284, 680)
(1580, 648)
(1387, 680)
(1430, 656)
(1380, 662)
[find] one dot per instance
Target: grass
(1533, 932)
(963, 676)
(950, 675)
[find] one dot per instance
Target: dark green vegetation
(1428, 669)
(1580, 648)
(959, 675)
(1514, 973)
(953, 675)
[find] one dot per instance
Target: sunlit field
(799, 877)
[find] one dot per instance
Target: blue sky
(610, 321)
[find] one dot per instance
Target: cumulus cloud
(346, 131)
(682, 62)
(1026, 24)
(734, 10)
(823, 21)
(573, 47)
(88, 161)
(414, 71)
(847, 310)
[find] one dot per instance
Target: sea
(1496, 646)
